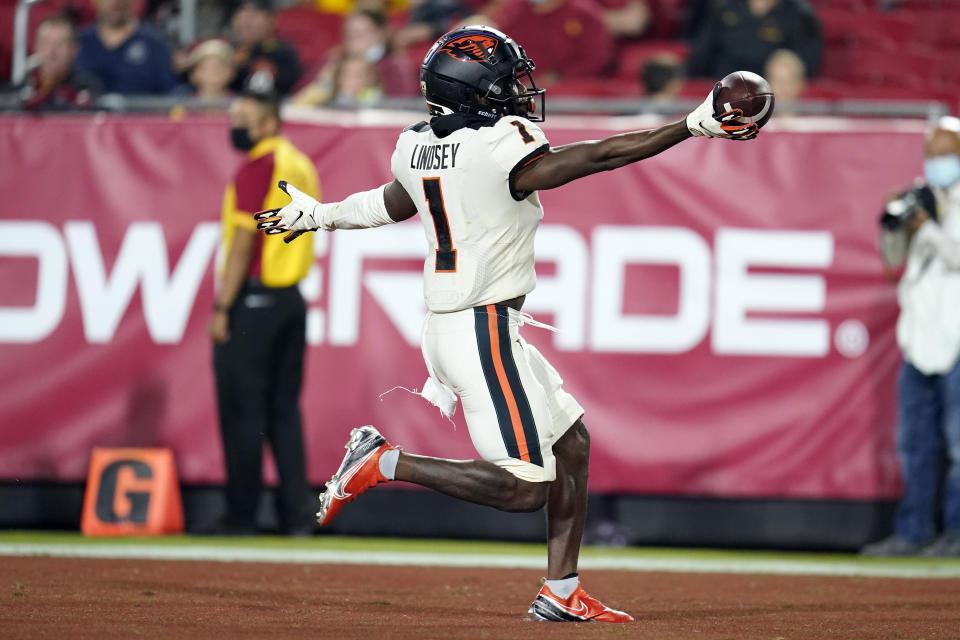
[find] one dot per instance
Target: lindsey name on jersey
(459, 171)
(427, 157)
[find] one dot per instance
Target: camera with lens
(894, 238)
(905, 207)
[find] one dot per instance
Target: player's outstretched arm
(563, 164)
(384, 205)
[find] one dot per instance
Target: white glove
(302, 214)
(703, 122)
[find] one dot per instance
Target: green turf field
(361, 550)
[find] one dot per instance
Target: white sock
(388, 463)
(565, 586)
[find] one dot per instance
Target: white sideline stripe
(327, 556)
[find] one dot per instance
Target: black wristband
(220, 308)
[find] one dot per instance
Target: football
(748, 92)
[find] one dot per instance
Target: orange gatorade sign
(131, 492)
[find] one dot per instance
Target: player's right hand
(302, 214)
(703, 122)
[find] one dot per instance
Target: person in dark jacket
(741, 34)
(125, 55)
(264, 62)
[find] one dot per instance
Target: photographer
(923, 225)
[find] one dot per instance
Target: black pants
(259, 371)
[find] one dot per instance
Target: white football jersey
(479, 229)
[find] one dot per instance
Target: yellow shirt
(343, 7)
(275, 263)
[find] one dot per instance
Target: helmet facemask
(518, 95)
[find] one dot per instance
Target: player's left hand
(302, 214)
(703, 122)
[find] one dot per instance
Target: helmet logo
(473, 47)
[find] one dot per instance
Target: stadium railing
(925, 109)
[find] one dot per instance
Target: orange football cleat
(359, 471)
(579, 607)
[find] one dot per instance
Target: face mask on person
(942, 171)
(375, 53)
(240, 138)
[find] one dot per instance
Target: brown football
(748, 92)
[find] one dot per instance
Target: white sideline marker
(331, 556)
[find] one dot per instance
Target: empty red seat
(311, 32)
(416, 52)
(835, 62)
(929, 5)
(900, 68)
(593, 87)
(935, 28)
(666, 18)
(889, 92)
(823, 90)
(696, 89)
(843, 4)
(872, 29)
(634, 55)
(948, 69)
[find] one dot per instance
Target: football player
(472, 173)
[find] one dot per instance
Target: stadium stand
(311, 32)
(82, 10)
(851, 28)
(903, 54)
(874, 51)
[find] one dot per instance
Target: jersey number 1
(524, 134)
(446, 261)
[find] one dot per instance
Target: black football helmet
(481, 71)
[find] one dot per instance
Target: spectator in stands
(258, 326)
(125, 55)
(662, 77)
(626, 18)
(741, 34)
(211, 69)
(264, 61)
(564, 37)
(356, 84)
(365, 35)
(693, 17)
(428, 20)
(928, 336)
(54, 85)
(786, 74)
